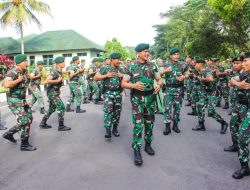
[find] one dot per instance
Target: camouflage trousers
(36, 96)
(238, 114)
(194, 98)
(75, 93)
(190, 86)
(93, 89)
(233, 98)
(23, 115)
(208, 100)
(55, 103)
(143, 110)
(173, 101)
(112, 108)
(244, 139)
(223, 90)
(84, 87)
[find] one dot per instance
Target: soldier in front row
(54, 81)
(17, 81)
(111, 75)
(140, 78)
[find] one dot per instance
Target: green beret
(189, 56)
(75, 58)
(20, 58)
(95, 60)
(247, 54)
(83, 60)
(200, 60)
(216, 59)
(141, 47)
(59, 59)
(100, 60)
(238, 58)
(40, 62)
(173, 51)
(115, 56)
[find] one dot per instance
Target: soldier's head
(246, 62)
(160, 62)
(95, 61)
(83, 61)
(107, 61)
(209, 61)
(115, 59)
(142, 51)
(40, 64)
(189, 59)
(174, 54)
(21, 61)
(76, 60)
(200, 64)
(216, 62)
(60, 62)
(237, 62)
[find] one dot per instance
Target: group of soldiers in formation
(152, 86)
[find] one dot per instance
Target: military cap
(83, 60)
(95, 60)
(59, 59)
(20, 58)
(238, 58)
(200, 60)
(173, 51)
(216, 59)
(75, 58)
(141, 47)
(100, 60)
(247, 54)
(115, 56)
(189, 56)
(40, 62)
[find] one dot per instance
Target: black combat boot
(108, 133)
(218, 104)
(68, 109)
(137, 157)
(194, 113)
(175, 127)
(2, 127)
(100, 99)
(79, 110)
(199, 127)
(244, 171)
(115, 131)
(43, 124)
(42, 110)
(148, 149)
(232, 148)
(188, 104)
(26, 146)
(167, 129)
(85, 101)
(226, 106)
(62, 127)
(97, 102)
(9, 134)
(90, 98)
(224, 126)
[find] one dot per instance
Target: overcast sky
(130, 21)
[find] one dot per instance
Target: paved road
(83, 160)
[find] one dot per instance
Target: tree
(17, 13)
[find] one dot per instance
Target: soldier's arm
(10, 83)
(126, 84)
(91, 72)
(50, 80)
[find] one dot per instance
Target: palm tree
(17, 13)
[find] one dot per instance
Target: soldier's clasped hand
(110, 74)
(139, 86)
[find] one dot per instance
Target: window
(67, 55)
(48, 59)
(81, 54)
(32, 60)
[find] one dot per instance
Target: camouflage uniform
(143, 102)
(83, 84)
(75, 87)
(93, 87)
(35, 89)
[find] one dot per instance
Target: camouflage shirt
(92, 67)
(53, 75)
(73, 69)
(205, 86)
(178, 69)
(37, 81)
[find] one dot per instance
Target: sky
(130, 21)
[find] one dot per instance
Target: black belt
(142, 93)
(174, 85)
(17, 96)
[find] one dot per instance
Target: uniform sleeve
(9, 76)
(157, 72)
(103, 71)
(72, 69)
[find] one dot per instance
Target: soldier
(189, 82)
(111, 75)
(239, 103)
(70, 105)
(83, 83)
(17, 81)
(75, 86)
(107, 61)
(93, 87)
(35, 82)
(140, 79)
(54, 81)
(100, 83)
(174, 74)
(207, 98)
(244, 131)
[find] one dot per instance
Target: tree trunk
(21, 39)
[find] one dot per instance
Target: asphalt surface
(83, 159)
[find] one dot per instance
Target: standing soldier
(111, 75)
(207, 98)
(83, 82)
(17, 81)
(174, 74)
(35, 82)
(189, 80)
(54, 81)
(69, 106)
(244, 131)
(140, 78)
(107, 61)
(75, 86)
